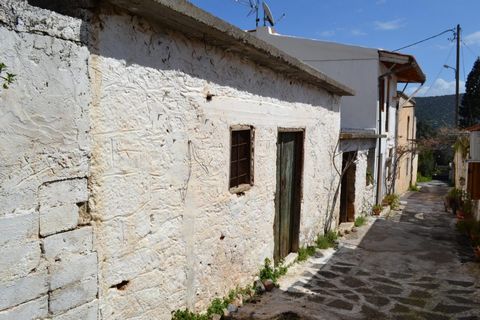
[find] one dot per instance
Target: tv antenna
(254, 6)
(267, 15)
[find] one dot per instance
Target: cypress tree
(469, 113)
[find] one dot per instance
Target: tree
(335, 153)
(469, 113)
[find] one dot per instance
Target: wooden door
(288, 193)
(347, 190)
(473, 180)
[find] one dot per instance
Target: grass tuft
(359, 221)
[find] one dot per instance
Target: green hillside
(436, 111)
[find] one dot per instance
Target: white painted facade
(359, 68)
(121, 121)
(49, 265)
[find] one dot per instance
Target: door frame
(348, 182)
(297, 187)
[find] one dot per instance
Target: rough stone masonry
(114, 165)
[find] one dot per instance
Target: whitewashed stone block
(70, 242)
(34, 309)
(23, 289)
(66, 191)
(72, 296)
(58, 219)
(87, 311)
(18, 228)
(18, 260)
(72, 269)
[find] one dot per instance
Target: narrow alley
(411, 264)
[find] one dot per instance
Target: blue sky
(385, 24)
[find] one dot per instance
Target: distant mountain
(436, 111)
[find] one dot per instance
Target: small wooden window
(241, 157)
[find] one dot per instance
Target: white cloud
(357, 32)
(327, 33)
(389, 25)
(473, 38)
(439, 88)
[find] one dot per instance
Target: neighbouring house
(467, 165)
(368, 119)
(406, 148)
(152, 156)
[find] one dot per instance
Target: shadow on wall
(111, 32)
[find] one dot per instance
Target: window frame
(239, 188)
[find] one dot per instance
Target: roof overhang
(474, 128)
(353, 135)
(182, 16)
(404, 66)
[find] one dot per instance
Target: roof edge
(403, 59)
(185, 17)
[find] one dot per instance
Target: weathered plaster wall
(364, 195)
(48, 266)
(406, 170)
(168, 230)
(355, 66)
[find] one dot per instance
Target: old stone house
(368, 119)
(466, 165)
(407, 156)
(152, 156)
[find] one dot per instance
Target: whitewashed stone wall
(364, 195)
(169, 233)
(48, 267)
(114, 167)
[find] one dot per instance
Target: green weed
(327, 240)
(306, 252)
(413, 187)
(393, 200)
(359, 221)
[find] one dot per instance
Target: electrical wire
(471, 50)
(439, 72)
(429, 38)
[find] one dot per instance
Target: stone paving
(408, 265)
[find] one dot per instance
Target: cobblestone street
(408, 265)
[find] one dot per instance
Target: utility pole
(457, 78)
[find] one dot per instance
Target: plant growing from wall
(7, 78)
